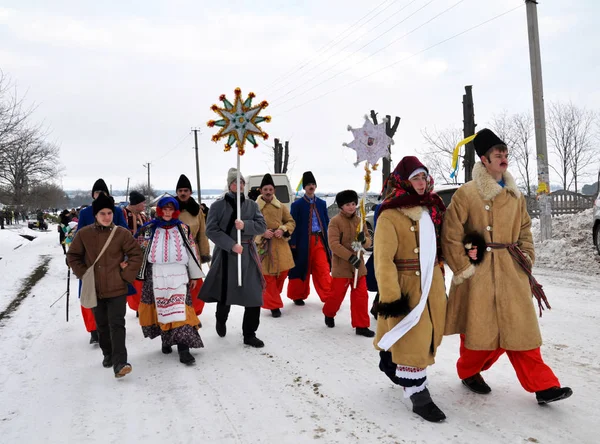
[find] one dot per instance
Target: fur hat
(135, 197)
(346, 196)
(267, 180)
(408, 165)
(183, 182)
(308, 178)
(232, 176)
(101, 202)
(485, 140)
(100, 185)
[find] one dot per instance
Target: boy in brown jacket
(344, 243)
(112, 272)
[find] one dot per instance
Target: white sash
(427, 250)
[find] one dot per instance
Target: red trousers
(534, 375)
(134, 300)
(318, 266)
(359, 300)
(198, 304)
(88, 318)
(272, 293)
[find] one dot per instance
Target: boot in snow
(477, 384)
(329, 322)
(185, 357)
(221, 329)
(364, 331)
(276, 313)
(299, 302)
(553, 394)
(122, 370)
(166, 349)
(253, 341)
(94, 337)
(107, 361)
(424, 406)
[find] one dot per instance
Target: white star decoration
(370, 142)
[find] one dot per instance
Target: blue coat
(300, 211)
(371, 281)
(86, 217)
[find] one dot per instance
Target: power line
(371, 55)
(404, 59)
(331, 43)
(172, 149)
(354, 41)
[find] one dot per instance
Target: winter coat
(145, 238)
(341, 234)
(86, 217)
(491, 303)
(397, 238)
(278, 257)
(299, 243)
(194, 218)
(221, 283)
(111, 281)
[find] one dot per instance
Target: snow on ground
(571, 247)
(309, 384)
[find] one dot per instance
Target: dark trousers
(110, 323)
(251, 318)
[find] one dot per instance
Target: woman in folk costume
(170, 271)
(412, 295)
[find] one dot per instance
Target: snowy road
(309, 383)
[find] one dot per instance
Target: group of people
(484, 237)
(9, 216)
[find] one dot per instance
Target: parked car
(445, 192)
(34, 224)
(283, 189)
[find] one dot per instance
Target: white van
(283, 188)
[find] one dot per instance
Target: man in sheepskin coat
(488, 244)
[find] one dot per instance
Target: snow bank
(571, 247)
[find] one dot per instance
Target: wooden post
(468, 130)
(286, 157)
(390, 130)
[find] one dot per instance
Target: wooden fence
(563, 202)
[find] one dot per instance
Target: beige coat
(397, 238)
(491, 303)
(197, 226)
(341, 233)
(277, 217)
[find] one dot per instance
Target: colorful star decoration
(239, 121)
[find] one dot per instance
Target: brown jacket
(341, 233)
(111, 281)
(490, 303)
(197, 226)
(277, 217)
(397, 238)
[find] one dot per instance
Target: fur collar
(190, 205)
(413, 213)
(261, 203)
(488, 188)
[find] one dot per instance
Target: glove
(355, 261)
(361, 237)
(205, 259)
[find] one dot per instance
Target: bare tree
(27, 159)
(142, 187)
(560, 133)
(12, 113)
(46, 195)
(516, 131)
(438, 154)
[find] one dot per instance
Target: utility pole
(147, 166)
(195, 130)
(537, 86)
(127, 192)
(390, 130)
(468, 130)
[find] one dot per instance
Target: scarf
(190, 205)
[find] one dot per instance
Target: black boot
(424, 406)
(166, 349)
(107, 361)
(477, 384)
(276, 313)
(185, 357)
(94, 337)
(122, 370)
(364, 331)
(553, 394)
(299, 302)
(221, 328)
(329, 322)
(253, 341)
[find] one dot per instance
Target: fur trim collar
(261, 203)
(487, 186)
(190, 205)
(413, 213)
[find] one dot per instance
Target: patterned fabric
(315, 222)
(167, 247)
(413, 379)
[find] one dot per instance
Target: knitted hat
(308, 178)
(101, 202)
(168, 200)
(346, 196)
(100, 185)
(135, 197)
(267, 180)
(485, 140)
(232, 176)
(183, 182)
(408, 165)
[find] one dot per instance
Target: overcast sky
(120, 84)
